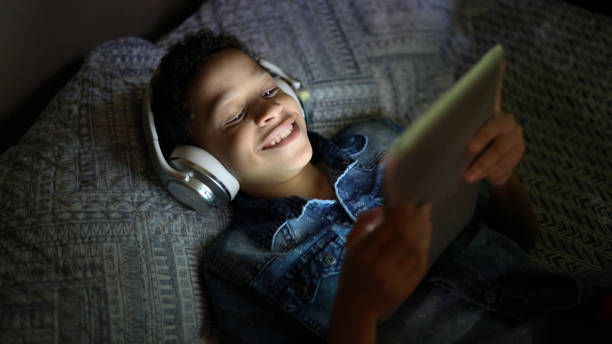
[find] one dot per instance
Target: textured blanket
(93, 248)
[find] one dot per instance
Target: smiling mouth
(281, 137)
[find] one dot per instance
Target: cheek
(238, 153)
(291, 104)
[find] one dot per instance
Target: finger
(390, 181)
(425, 210)
(367, 221)
(497, 158)
(414, 236)
(497, 153)
(488, 166)
(500, 177)
(498, 97)
(416, 256)
(415, 271)
(400, 228)
(500, 173)
(425, 233)
(493, 128)
(510, 160)
(501, 169)
(498, 180)
(415, 233)
(393, 253)
(394, 220)
(394, 214)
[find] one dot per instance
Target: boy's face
(241, 117)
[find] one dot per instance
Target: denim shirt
(272, 275)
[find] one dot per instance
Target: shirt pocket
(312, 277)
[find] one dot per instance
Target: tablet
(427, 161)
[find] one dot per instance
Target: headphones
(192, 175)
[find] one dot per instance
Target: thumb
(366, 223)
(425, 210)
(498, 97)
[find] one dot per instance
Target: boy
(312, 253)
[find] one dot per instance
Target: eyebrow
(258, 73)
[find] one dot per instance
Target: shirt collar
(260, 218)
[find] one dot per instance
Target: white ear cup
(207, 169)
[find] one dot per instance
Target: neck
(311, 182)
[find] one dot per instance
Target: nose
(268, 111)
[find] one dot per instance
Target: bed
(94, 249)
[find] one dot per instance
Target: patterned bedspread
(93, 248)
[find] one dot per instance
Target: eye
(271, 92)
(237, 117)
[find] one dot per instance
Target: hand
(385, 259)
(501, 143)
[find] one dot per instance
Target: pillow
(93, 246)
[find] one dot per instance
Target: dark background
(43, 44)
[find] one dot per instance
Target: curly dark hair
(176, 71)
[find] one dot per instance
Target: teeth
(282, 136)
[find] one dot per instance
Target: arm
(385, 259)
(510, 212)
(348, 325)
(501, 145)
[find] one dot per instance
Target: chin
(299, 159)
(307, 154)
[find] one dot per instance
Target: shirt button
(330, 259)
(300, 289)
(490, 296)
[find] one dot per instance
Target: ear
(206, 164)
(207, 182)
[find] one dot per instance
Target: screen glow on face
(241, 116)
